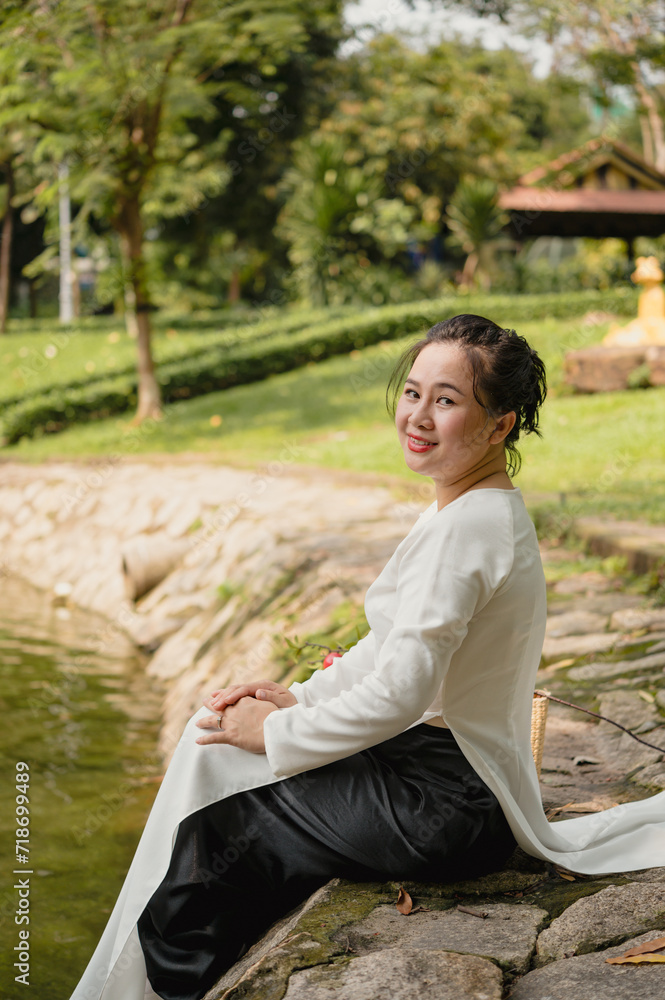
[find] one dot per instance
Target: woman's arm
(242, 721)
(343, 673)
(447, 575)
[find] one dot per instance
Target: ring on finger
(219, 722)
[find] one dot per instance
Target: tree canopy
(115, 86)
(235, 151)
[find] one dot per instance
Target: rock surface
(400, 974)
(506, 933)
(589, 977)
(577, 622)
(637, 715)
(606, 918)
(555, 648)
(601, 670)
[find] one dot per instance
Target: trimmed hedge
(255, 355)
(166, 353)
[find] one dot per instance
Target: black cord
(544, 694)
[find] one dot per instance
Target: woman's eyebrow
(438, 385)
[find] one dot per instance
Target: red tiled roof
(532, 199)
(563, 161)
(589, 151)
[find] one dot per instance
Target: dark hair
(507, 373)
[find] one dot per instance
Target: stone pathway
(261, 555)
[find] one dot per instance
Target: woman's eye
(411, 393)
(444, 399)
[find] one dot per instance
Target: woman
(410, 757)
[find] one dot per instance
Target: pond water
(81, 717)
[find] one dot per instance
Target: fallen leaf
(586, 760)
(646, 950)
(586, 807)
(569, 877)
(636, 959)
(404, 902)
(647, 696)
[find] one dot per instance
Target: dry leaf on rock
(404, 902)
(650, 958)
(642, 953)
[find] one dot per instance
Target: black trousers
(409, 808)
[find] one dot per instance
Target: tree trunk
(469, 269)
(647, 144)
(130, 228)
(655, 122)
(234, 286)
(76, 295)
(6, 249)
(129, 307)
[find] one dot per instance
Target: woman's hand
(242, 725)
(268, 691)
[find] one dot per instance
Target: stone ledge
(589, 977)
(643, 545)
(400, 974)
(505, 935)
(604, 368)
(349, 941)
(604, 919)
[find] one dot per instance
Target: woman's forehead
(442, 359)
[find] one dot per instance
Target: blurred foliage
(267, 167)
(555, 264)
(336, 222)
(616, 47)
(367, 190)
(476, 224)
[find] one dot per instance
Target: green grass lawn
(604, 452)
(42, 359)
(32, 361)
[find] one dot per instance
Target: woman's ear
(504, 426)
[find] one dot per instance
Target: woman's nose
(421, 415)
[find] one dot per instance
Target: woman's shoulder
(488, 521)
(483, 506)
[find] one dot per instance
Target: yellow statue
(649, 327)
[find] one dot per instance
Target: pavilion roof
(600, 190)
(530, 199)
(567, 168)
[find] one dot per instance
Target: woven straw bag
(538, 720)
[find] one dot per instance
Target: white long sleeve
(346, 671)
(442, 574)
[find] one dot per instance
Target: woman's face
(443, 430)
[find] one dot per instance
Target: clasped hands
(243, 709)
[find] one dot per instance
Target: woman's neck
(480, 479)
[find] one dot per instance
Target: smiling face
(444, 431)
